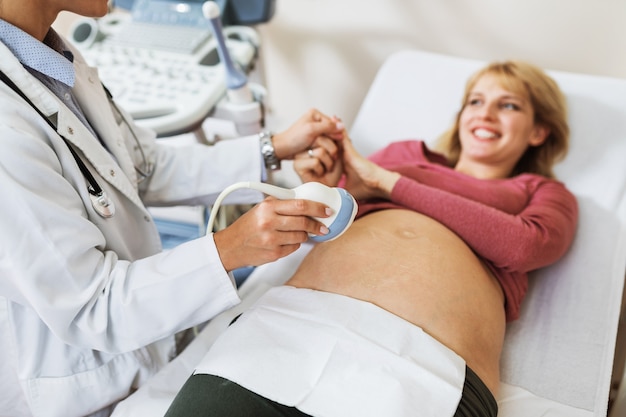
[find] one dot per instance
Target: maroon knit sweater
(515, 225)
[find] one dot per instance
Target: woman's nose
(487, 111)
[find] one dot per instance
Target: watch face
(268, 152)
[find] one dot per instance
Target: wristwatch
(269, 153)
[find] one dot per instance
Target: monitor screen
(189, 11)
(169, 12)
(128, 4)
(123, 4)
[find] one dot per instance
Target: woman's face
(496, 127)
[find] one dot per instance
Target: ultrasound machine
(159, 58)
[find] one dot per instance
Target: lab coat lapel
(97, 108)
(75, 132)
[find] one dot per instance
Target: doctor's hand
(305, 131)
(320, 163)
(270, 230)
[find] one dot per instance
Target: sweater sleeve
(534, 237)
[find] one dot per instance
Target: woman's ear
(539, 135)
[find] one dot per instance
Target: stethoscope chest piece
(102, 204)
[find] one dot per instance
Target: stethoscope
(101, 202)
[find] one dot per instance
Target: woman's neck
(482, 171)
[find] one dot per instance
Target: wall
(325, 53)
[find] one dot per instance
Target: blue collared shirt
(50, 57)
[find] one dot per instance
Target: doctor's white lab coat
(88, 305)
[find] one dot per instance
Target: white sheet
(558, 356)
(327, 338)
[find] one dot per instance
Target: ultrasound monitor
(169, 12)
(123, 4)
(187, 12)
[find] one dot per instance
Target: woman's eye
(473, 102)
(510, 106)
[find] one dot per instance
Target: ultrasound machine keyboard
(164, 90)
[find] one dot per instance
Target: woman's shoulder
(544, 188)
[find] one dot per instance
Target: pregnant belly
(416, 268)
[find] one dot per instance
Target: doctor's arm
(197, 173)
(57, 264)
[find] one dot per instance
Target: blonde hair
(549, 107)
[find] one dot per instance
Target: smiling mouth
(485, 134)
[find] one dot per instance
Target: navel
(407, 233)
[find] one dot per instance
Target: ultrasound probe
(339, 200)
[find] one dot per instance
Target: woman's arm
(532, 238)
(518, 224)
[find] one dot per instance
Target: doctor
(89, 303)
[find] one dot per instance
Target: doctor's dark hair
(549, 108)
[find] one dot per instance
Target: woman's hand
(365, 179)
(304, 132)
(270, 230)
